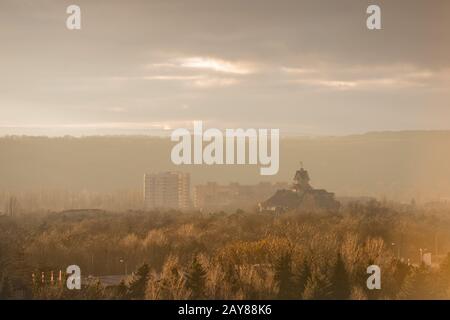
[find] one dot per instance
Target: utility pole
(436, 244)
(11, 206)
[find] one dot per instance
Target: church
(301, 197)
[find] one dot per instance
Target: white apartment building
(167, 190)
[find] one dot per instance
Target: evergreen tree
(400, 272)
(121, 291)
(445, 268)
(95, 291)
(302, 277)
(340, 283)
(231, 278)
(195, 279)
(284, 276)
(418, 285)
(138, 285)
(318, 287)
(5, 289)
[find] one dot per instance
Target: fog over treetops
(395, 165)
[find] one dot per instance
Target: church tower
(301, 181)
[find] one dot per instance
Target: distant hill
(398, 165)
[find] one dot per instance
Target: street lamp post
(122, 260)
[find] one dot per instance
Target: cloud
(387, 77)
(215, 82)
(292, 70)
(199, 72)
(207, 64)
(172, 77)
(161, 125)
(214, 65)
(296, 63)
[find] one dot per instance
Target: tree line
(244, 255)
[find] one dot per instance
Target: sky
(149, 66)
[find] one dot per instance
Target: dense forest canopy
(173, 255)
